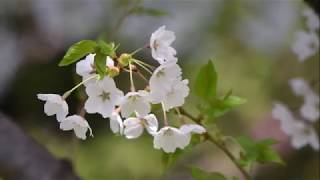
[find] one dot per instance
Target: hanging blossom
(301, 133)
(54, 105)
(160, 44)
(103, 96)
(135, 102)
(310, 108)
(170, 138)
(86, 68)
(133, 126)
(306, 43)
(78, 124)
(116, 124)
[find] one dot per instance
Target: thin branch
(220, 145)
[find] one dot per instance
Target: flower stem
(218, 143)
(66, 94)
(165, 120)
(132, 88)
(143, 66)
(138, 50)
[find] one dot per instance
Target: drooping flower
(312, 20)
(86, 67)
(135, 102)
(162, 79)
(306, 44)
(170, 138)
(116, 124)
(160, 44)
(133, 127)
(103, 96)
(78, 124)
(301, 133)
(54, 105)
(176, 96)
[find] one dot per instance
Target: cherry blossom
(78, 124)
(306, 44)
(135, 102)
(312, 20)
(133, 127)
(103, 97)
(116, 124)
(170, 138)
(160, 44)
(54, 105)
(175, 97)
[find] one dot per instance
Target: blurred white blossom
(103, 96)
(301, 133)
(312, 20)
(133, 127)
(135, 102)
(306, 44)
(78, 124)
(54, 105)
(160, 44)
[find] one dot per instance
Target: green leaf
(199, 174)
(206, 82)
(77, 51)
(260, 151)
(149, 12)
(106, 49)
(100, 63)
(218, 107)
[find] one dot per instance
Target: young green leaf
(100, 63)
(218, 107)
(260, 151)
(77, 51)
(206, 81)
(199, 174)
(106, 49)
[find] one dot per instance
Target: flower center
(160, 73)
(155, 45)
(168, 132)
(105, 96)
(134, 97)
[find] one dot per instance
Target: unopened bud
(113, 71)
(124, 59)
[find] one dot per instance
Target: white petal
(110, 62)
(54, 104)
(192, 128)
(177, 95)
(116, 124)
(132, 128)
(135, 102)
(152, 123)
(80, 132)
(84, 67)
(310, 112)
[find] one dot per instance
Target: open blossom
(170, 138)
(103, 96)
(160, 44)
(310, 108)
(133, 127)
(116, 124)
(175, 97)
(306, 44)
(301, 134)
(85, 67)
(54, 105)
(312, 19)
(135, 102)
(78, 124)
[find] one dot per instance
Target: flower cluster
(306, 43)
(300, 129)
(130, 113)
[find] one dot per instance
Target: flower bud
(113, 71)
(124, 59)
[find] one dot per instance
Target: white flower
(78, 124)
(116, 124)
(133, 127)
(312, 19)
(301, 134)
(103, 97)
(306, 44)
(310, 110)
(299, 86)
(86, 68)
(55, 105)
(135, 102)
(304, 135)
(160, 44)
(175, 97)
(162, 79)
(171, 138)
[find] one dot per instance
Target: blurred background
(249, 42)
